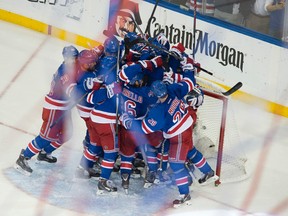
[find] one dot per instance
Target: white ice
(28, 60)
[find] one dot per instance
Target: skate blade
(20, 170)
(94, 178)
(187, 203)
(135, 176)
(126, 191)
(147, 185)
(210, 180)
(43, 162)
(105, 193)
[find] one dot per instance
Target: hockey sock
(198, 160)
(108, 164)
(181, 177)
(126, 164)
(152, 160)
(90, 155)
(35, 146)
(52, 147)
(88, 159)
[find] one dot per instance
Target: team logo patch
(152, 122)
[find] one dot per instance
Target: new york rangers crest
(152, 122)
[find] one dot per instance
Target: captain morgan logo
(121, 21)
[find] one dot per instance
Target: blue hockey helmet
(130, 37)
(159, 88)
(111, 45)
(137, 79)
(70, 52)
(106, 65)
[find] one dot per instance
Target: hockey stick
(194, 178)
(150, 19)
(194, 28)
(233, 89)
(117, 95)
(162, 152)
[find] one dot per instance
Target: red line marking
(268, 141)
(22, 68)
(18, 129)
(280, 208)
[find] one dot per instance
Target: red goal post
(216, 134)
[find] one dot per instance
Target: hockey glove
(194, 98)
(92, 84)
(126, 121)
(113, 88)
(151, 64)
(178, 49)
(168, 77)
(188, 64)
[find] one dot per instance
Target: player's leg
(106, 133)
(198, 160)
(179, 147)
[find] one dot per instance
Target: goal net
(216, 135)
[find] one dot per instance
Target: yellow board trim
(47, 29)
(83, 41)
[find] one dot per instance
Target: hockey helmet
(87, 57)
(70, 52)
(111, 46)
(131, 37)
(137, 80)
(159, 88)
(107, 64)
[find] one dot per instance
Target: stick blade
(233, 89)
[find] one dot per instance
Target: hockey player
(52, 135)
(194, 100)
(171, 117)
(103, 115)
(135, 99)
(86, 83)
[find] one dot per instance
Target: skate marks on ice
(56, 185)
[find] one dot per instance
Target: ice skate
(125, 182)
(43, 156)
(149, 179)
(208, 178)
(136, 173)
(184, 199)
(105, 185)
(22, 165)
(139, 163)
(82, 173)
(163, 178)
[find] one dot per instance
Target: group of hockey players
(139, 99)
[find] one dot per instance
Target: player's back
(136, 100)
(63, 79)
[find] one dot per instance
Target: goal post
(216, 134)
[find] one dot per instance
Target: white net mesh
(207, 134)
